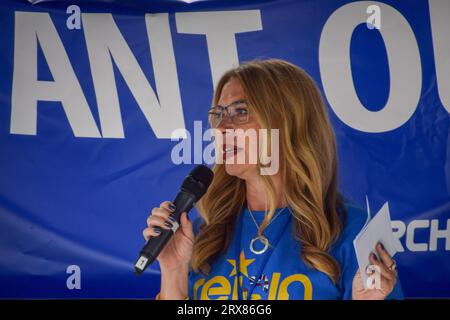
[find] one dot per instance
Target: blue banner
(90, 92)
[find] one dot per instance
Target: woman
(282, 236)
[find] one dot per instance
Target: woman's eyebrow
(222, 106)
(236, 101)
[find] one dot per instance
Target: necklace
(262, 239)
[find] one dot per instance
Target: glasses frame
(225, 109)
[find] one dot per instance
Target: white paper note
(378, 229)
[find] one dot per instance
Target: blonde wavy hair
(282, 96)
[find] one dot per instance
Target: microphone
(194, 186)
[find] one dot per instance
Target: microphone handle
(184, 201)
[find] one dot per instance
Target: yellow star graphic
(243, 264)
(233, 263)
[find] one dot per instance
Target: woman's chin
(239, 170)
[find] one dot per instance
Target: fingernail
(168, 224)
(381, 245)
(172, 207)
(157, 230)
(172, 218)
(374, 256)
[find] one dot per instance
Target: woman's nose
(225, 124)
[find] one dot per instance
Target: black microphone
(192, 189)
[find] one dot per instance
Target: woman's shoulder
(355, 218)
(353, 221)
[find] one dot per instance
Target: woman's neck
(256, 195)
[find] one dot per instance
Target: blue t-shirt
(279, 273)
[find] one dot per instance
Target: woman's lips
(230, 151)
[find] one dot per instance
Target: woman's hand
(175, 257)
(387, 277)
(178, 251)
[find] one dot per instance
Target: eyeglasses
(237, 111)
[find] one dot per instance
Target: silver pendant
(264, 241)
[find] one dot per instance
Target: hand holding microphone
(165, 222)
(178, 250)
